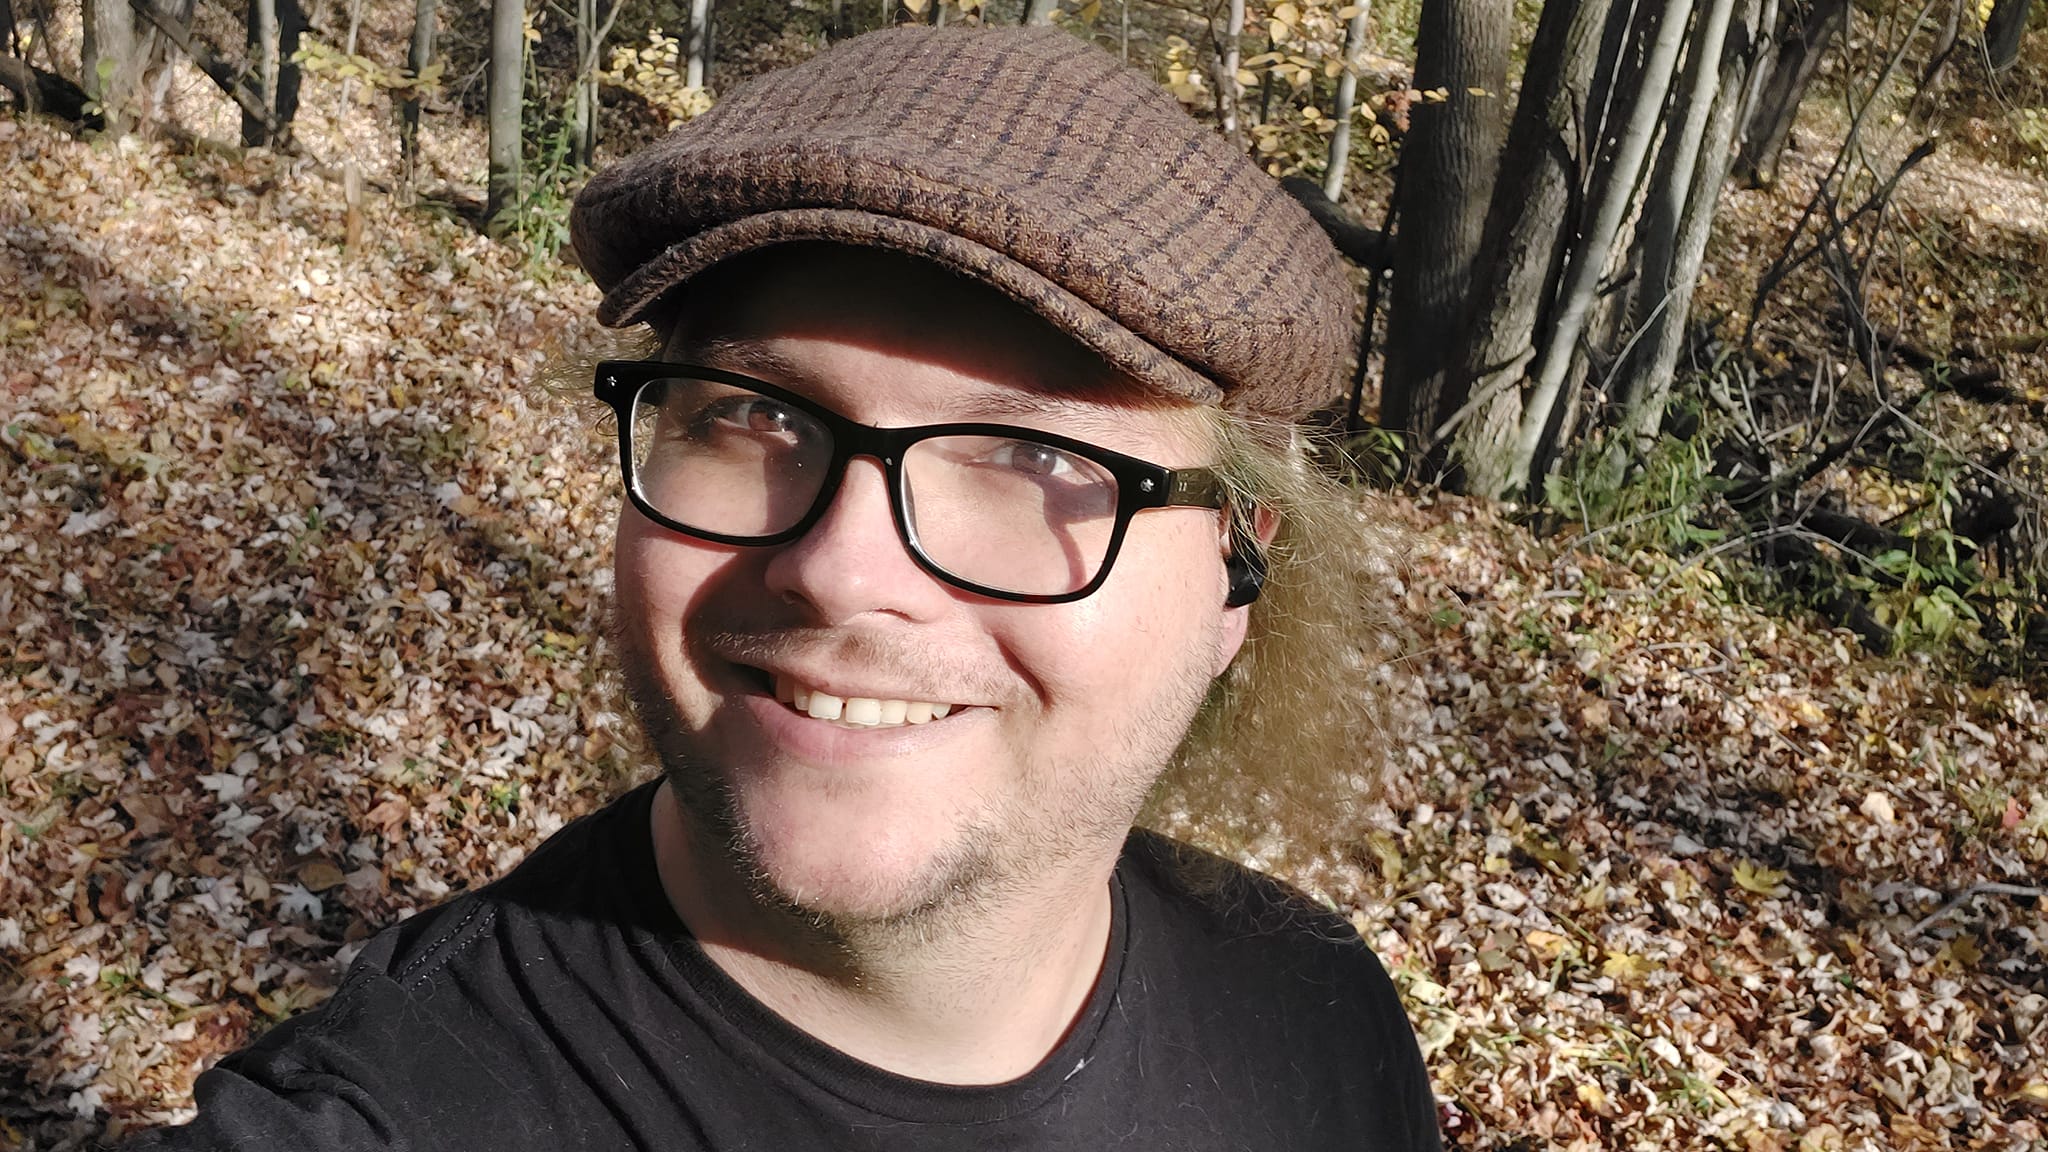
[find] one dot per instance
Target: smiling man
(966, 525)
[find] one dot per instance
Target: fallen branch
(40, 91)
(223, 74)
(1359, 243)
(1973, 891)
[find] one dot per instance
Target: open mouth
(856, 711)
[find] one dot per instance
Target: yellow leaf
(1349, 11)
(1278, 30)
(1479, 92)
(2034, 1092)
(1247, 77)
(1548, 945)
(1961, 952)
(1625, 966)
(1593, 1096)
(1759, 879)
(1287, 14)
(1090, 11)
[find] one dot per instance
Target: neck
(976, 994)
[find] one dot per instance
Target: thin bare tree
(1347, 102)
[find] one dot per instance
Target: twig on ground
(1988, 888)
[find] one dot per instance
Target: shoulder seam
(436, 955)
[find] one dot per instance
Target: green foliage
(1655, 500)
(1921, 592)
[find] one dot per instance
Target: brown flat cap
(1023, 157)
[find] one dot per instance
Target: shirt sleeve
(314, 1082)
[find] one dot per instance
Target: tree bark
(1347, 95)
(263, 39)
(1802, 43)
(697, 53)
(1587, 261)
(1524, 244)
(115, 55)
(2002, 32)
(417, 58)
(1645, 380)
(583, 103)
(506, 78)
(274, 30)
(1228, 94)
(1448, 163)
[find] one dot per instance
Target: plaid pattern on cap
(1023, 157)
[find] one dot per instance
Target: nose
(853, 562)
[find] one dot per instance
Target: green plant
(1654, 499)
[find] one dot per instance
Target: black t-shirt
(565, 1006)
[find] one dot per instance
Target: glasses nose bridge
(854, 440)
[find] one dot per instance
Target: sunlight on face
(784, 685)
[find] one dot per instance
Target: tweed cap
(1025, 158)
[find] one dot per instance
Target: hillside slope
(302, 587)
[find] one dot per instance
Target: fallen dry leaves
(300, 630)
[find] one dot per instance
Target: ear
(1264, 526)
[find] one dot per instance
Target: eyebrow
(752, 359)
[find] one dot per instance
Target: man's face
(1058, 717)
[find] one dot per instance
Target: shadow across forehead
(892, 304)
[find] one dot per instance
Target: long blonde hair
(1293, 740)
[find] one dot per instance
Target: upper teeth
(865, 711)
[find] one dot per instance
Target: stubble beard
(1003, 850)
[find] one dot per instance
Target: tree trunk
(697, 58)
(583, 101)
(1228, 92)
(1524, 241)
(1670, 188)
(2002, 32)
(263, 38)
(274, 30)
(115, 54)
(1801, 45)
(507, 73)
(1615, 195)
(1347, 96)
(1645, 380)
(355, 25)
(1448, 163)
(417, 58)
(1040, 11)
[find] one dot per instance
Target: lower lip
(827, 740)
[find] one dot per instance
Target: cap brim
(644, 293)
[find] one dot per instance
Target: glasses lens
(726, 460)
(1010, 514)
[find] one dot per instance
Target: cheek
(658, 579)
(1148, 631)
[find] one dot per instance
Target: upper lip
(847, 689)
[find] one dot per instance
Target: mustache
(897, 659)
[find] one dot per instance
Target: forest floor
(302, 585)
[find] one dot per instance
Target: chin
(841, 856)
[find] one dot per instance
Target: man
(951, 495)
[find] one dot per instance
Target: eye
(750, 416)
(1033, 459)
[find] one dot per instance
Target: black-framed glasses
(1007, 512)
